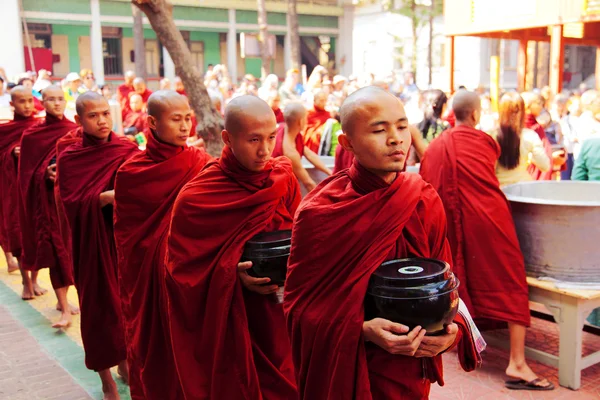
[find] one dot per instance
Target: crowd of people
(150, 229)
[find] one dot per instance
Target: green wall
(148, 33)
(59, 6)
(212, 49)
(73, 32)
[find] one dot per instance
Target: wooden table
(570, 308)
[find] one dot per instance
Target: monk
(86, 171)
(460, 165)
(10, 149)
(42, 247)
(274, 101)
(385, 215)
(316, 121)
(123, 92)
(137, 117)
(145, 190)
(227, 328)
(290, 143)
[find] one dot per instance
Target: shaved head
(250, 128)
(243, 108)
(170, 117)
(54, 101)
(52, 90)
(294, 112)
(162, 100)
(464, 104)
(19, 91)
(360, 103)
(85, 98)
(375, 129)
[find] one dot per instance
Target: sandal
(521, 384)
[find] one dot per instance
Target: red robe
(531, 123)
(42, 247)
(278, 149)
(145, 190)
(123, 98)
(10, 137)
(279, 115)
(325, 290)
(314, 128)
(343, 159)
(86, 169)
(137, 119)
(228, 343)
(461, 164)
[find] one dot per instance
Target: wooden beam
(522, 65)
(557, 59)
(449, 54)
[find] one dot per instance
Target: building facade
(70, 35)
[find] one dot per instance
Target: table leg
(572, 317)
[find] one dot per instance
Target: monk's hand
(431, 346)
(257, 285)
(107, 198)
(393, 337)
(51, 173)
(17, 151)
(559, 158)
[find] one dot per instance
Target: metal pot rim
(534, 200)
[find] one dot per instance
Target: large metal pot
(314, 173)
(558, 225)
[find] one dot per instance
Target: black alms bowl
(269, 253)
(413, 292)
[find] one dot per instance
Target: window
(111, 49)
(40, 35)
(197, 50)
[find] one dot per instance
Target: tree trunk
(414, 25)
(139, 45)
(430, 48)
(210, 122)
(263, 35)
(294, 34)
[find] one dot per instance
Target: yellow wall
(85, 53)
(60, 45)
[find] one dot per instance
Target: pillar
(168, 65)
(12, 56)
(598, 68)
(96, 43)
(494, 81)
(287, 50)
(232, 47)
(557, 58)
(344, 42)
(522, 65)
(450, 62)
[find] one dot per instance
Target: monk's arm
(298, 169)
(418, 142)
(316, 161)
(107, 198)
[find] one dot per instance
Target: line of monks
(152, 241)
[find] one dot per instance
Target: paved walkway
(38, 362)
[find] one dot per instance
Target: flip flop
(521, 384)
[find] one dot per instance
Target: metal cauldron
(314, 173)
(558, 225)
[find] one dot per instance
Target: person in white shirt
(519, 146)
(4, 97)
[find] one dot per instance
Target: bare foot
(123, 371)
(13, 264)
(522, 371)
(110, 392)
(74, 309)
(27, 293)
(38, 290)
(64, 321)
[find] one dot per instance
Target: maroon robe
(145, 190)
(37, 207)
(343, 159)
(278, 149)
(461, 166)
(86, 169)
(325, 289)
(10, 137)
(229, 343)
(535, 172)
(137, 119)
